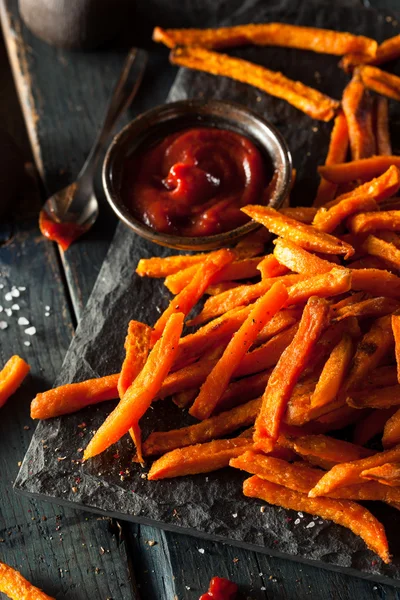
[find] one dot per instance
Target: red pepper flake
(116, 456)
(82, 425)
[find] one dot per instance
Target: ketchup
(194, 182)
(220, 589)
(62, 233)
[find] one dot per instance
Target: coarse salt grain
(8, 312)
(23, 321)
(15, 293)
(15, 307)
(297, 521)
(310, 525)
(27, 343)
(30, 331)
(22, 288)
(8, 297)
(234, 515)
(300, 515)
(263, 588)
(1, 309)
(1, 286)
(47, 308)
(46, 314)
(3, 325)
(201, 550)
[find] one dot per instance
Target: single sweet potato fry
(387, 474)
(137, 345)
(337, 281)
(141, 393)
(391, 432)
(373, 307)
(71, 397)
(328, 219)
(302, 235)
(269, 34)
(201, 458)
(370, 350)
(349, 473)
(242, 390)
(396, 334)
(357, 107)
(371, 425)
(337, 152)
(380, 81)
(217, 381)
(365, 168)
(16, 587)
(310, 101)
(162, 267)
(299, 260)
(225, 423)
(368, 262)
(191, 294)
(11, 377)
(240, 269)
(330, 449)
(384, 397)
(374, 221)
(388, 50)
(270, 267)
(304, 214)
(386, 251)
(344, 512)
(382, 133)
(288, 369)
(333, 373)
(240, 296)
(282, 320)
(380, 188)
(376, 282)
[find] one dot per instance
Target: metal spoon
(72, 211)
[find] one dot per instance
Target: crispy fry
(17, 587)
(241, 269)
(380, 81)
(310, 101)
(329, 449)
(137, 344)
(370, 351)
(384, 397)
(349, 473)
(191, 376)
(337, 153)
(11, 377)
(373, 307)
(304, 214)
(191, 294)
(365, 168)
(388, 474)
(333, 373)
(391, 432)
(269, 34)
(381, 377)
(300, 477)
(240, 297)
(71, 397)
(302, 235)
(382, 133)
(217, 288)
(217, 381)
(376, 282)
(167, 265)
(388, 50)
(344, 512)
(201, 458)
(299, 260)
(357, 107)
(141, 393)
(386, 251)
(373, 221)
(242, 390)
(223, 424)
(368, 262)
(328, 219)
(288, 369)
(396, 334)
(371, 425)
(282, 320)
(337, 281)
(380, 188)
(270, 267)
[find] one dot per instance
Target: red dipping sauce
(62, 233)
(220, 589)
(194, 182)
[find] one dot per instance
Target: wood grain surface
(70, 554)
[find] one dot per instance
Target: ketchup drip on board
(194, 182)
(220, 589)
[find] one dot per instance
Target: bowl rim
(191, 106)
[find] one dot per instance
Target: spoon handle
(122, 96)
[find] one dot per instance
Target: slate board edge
(212, 538)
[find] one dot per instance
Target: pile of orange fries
(290, 347)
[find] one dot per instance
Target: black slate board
(211, 506)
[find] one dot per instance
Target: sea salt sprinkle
(15, 307)
(27, 343)
(201, 550)
(310, 525)
(8, 312)
(23, 321)
(15, 293)
(3, 325)
(30, 331)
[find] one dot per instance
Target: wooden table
(71, 554)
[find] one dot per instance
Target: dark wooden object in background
(73, 555)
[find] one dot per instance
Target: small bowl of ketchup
(179, 174)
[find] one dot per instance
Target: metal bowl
(163, 120)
